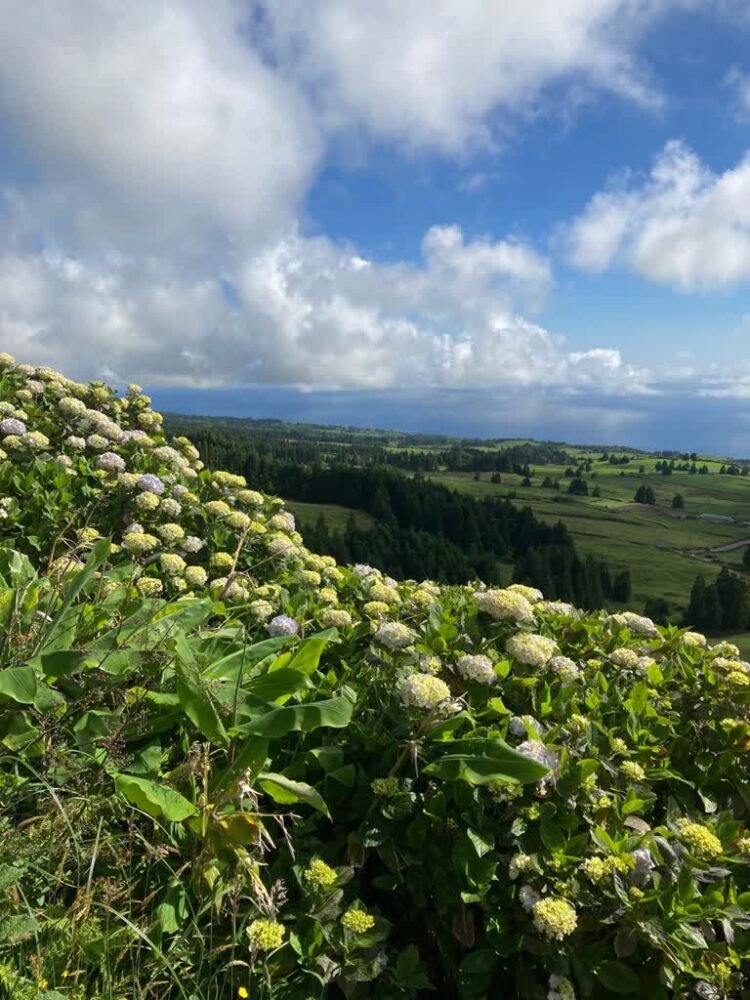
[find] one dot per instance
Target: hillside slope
(231, 767)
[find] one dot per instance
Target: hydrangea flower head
(424, 691)
(111, 462)
(477, 667)
(394, 635)
(282, 625)
(504, 605)
(534, 650)
(12, 426)
(555, 917)
(150, 483)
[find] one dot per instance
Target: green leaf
(7, 604)
(284, 790)
(246, 764)
(199, 708)
(18, 684)
(484, 761)
(333, 712)
(309, 651)
(552, 836)
(62, 663)
(97, 556)
(281, 683)
(231, 666)
(689, 936)
(157, 800)
(618, 977)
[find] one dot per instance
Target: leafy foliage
(260, 773)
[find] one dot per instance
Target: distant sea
(654, 422)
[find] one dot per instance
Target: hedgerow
(231, 767)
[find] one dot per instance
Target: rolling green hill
(663, 548)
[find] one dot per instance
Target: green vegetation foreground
(231, 767)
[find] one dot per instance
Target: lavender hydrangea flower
(110, 462)
(151, 484)
(282, 625)
(12, 426)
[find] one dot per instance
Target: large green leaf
(309, 651)
(97, 556)
(197, 705)
(333, 712)
(481, 762)
(157, 800)
(236, 663)
(246, 764)
(279, 684)
(284, 790)
(18, 684)
(62, 663)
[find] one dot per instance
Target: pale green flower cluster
(265, 935)
(320, 874)
(357, 921)
(424, 691)
(505, 605)
(597, 868)
(555, 917)
(700, 838)
(529, 648)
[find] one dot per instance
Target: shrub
(208, 793)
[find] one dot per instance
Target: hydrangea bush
(231, 767)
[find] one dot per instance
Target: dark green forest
(422, 529)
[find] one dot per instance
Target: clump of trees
(645, 494)
(723, 605)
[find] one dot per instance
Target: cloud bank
(682, 226)
(164, 152)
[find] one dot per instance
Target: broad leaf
(333, 712)
(284, 790)
(199, 708)
(157, 800)
(18, 684)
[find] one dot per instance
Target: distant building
(717, 518)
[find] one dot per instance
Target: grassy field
(334, 516)
(663, 548)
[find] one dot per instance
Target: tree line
(422, 529)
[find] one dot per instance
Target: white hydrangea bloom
(394, 635)
(504, 605)
(424, 691)
(477, 667)
(565, 668)
(534, 650)
(111, 462)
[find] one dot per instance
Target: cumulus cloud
(303, 310)
(429, 73)
(166, 148)
(154, 124)
(683, 225)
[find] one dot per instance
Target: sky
(467, 216)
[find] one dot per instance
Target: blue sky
(452, 215)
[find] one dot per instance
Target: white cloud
(683, 225)
(153, 123)
(739, 82)
(304, 310)
(170, 147)
(431, 72)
